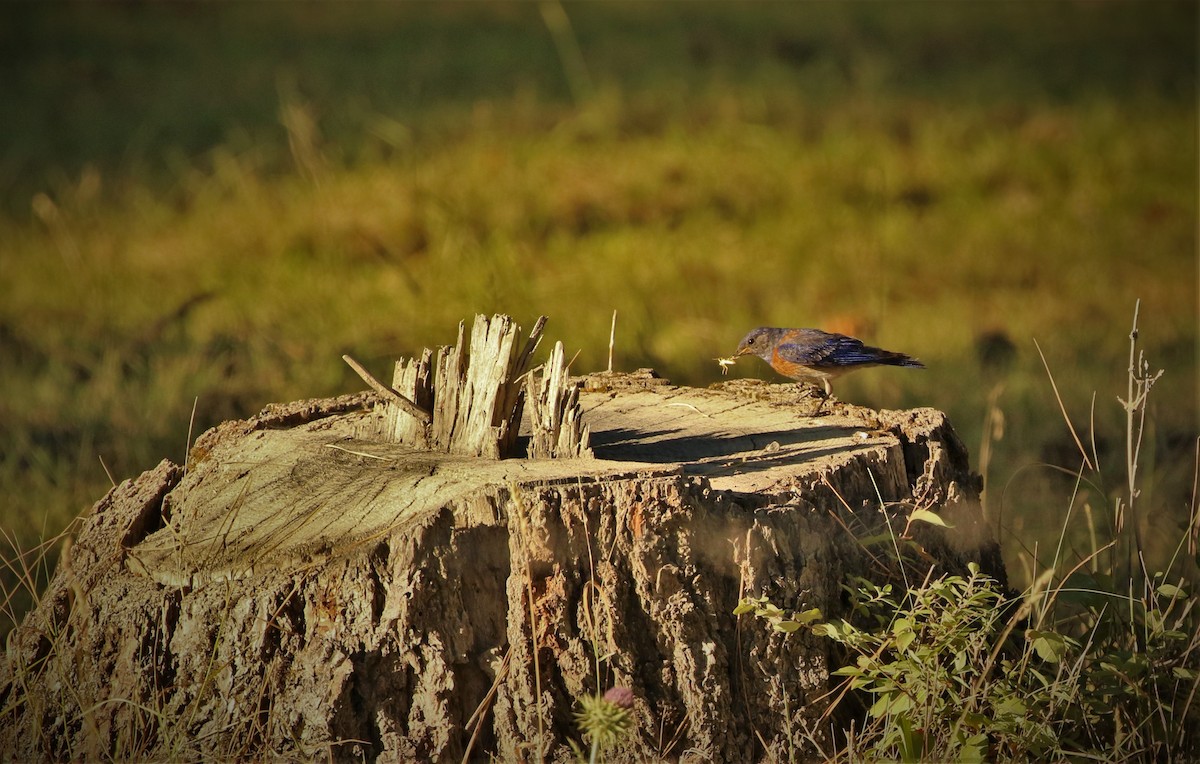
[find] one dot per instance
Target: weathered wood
(413, 378)
(305, 589)
(415, 412)
(476, 395)
(556, 418)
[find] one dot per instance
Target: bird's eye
(750, 341)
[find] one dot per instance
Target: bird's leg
(820, 407)
(824, 398)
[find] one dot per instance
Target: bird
(811, 354)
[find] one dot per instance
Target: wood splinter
(388, 392)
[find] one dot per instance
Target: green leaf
(808, 616)
(890, 703)
(787, 627)
(974, 748)
(879, 708)
(770, 611)
(902, 630)
(1183, 673)
(973, 721)
(838, 631)
(877, 540)
(960, 662)
(745, 606)
(1172, 591)
(1049, 646)
(1155, 621)
(912, 746)
(925, 516)
(1010, 707)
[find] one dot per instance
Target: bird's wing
(823, 350)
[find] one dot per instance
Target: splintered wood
(470, 402)
(473, 396)
(555, 416)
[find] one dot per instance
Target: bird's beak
(741, 352)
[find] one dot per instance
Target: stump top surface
(308, 480)
(742, 436)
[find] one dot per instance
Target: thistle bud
(605, 720)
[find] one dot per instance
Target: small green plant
(605, 720)
(957, 668)
(932, 667)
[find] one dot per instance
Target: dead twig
(387, 392)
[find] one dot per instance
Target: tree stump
(305, 588)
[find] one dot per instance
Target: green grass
(212, 204)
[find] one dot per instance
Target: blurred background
(203, 205)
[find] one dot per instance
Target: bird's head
(759, 342)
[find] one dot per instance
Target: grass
(208, 206)
(1096, 659)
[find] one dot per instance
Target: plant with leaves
(958, 669)
(761, 607)
(941, 685)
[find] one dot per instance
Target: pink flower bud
(622, 697)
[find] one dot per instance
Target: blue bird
(811, 354)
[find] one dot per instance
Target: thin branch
(387, 392)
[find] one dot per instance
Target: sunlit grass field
(205, 205)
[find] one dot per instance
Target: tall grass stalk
(1140, 381)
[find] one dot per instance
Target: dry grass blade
(107, 473)
(612, 341)
(569, 52)
(1061, 407)
(1194, 524)
(187, 446)
(475, 723)
(363, 454)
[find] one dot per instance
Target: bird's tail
(899, 359)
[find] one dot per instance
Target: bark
(306, 588)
